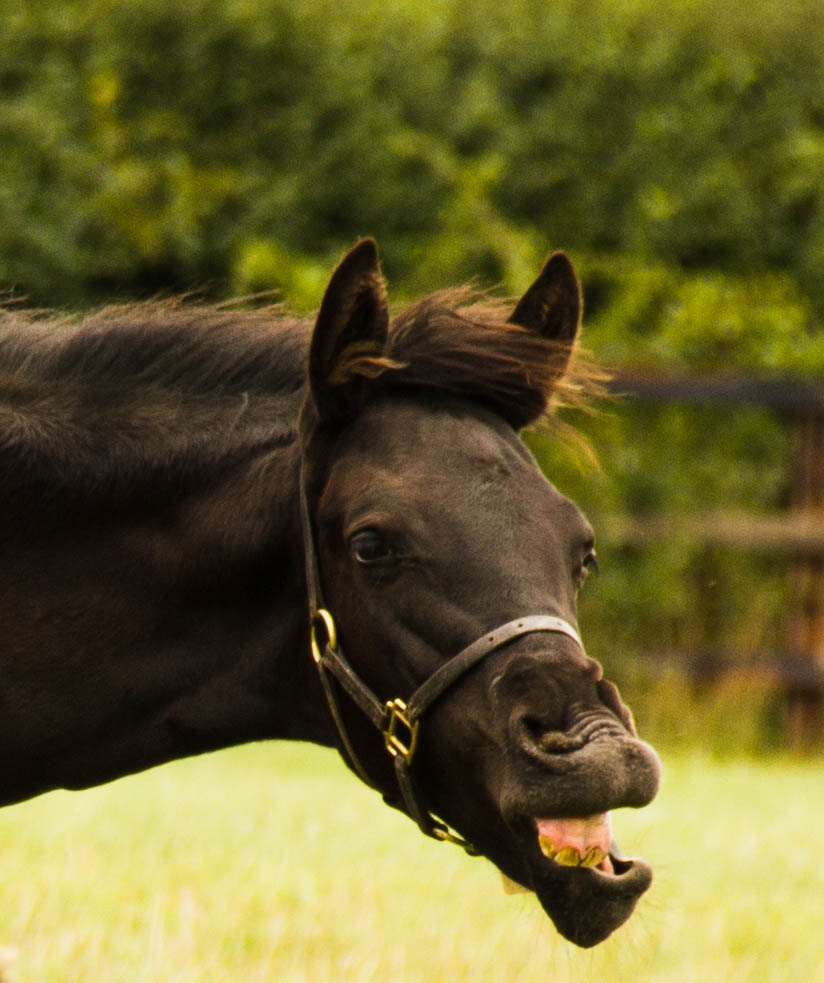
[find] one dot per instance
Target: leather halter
(399, 720)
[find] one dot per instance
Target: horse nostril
(557, 742)
(538, 736)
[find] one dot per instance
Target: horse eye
(590, 564)
(370, 549)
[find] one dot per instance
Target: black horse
(222, 525)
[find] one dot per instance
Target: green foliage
(675, 596)
(675, 149)
(652, 315)
(151, 145)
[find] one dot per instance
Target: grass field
(272, 863)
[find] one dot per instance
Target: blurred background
(674, 150)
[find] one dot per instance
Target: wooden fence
(797, 534)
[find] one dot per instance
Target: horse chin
(587, 905)
(586, 899)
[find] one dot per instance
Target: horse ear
(551, 307)
(350, 333)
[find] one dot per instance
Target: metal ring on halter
(324, 617)
(447, 836)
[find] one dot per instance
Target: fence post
(806, 710)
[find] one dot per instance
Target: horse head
(444, 570)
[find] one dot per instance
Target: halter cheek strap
(399, 720)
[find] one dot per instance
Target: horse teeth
(568, 856)
(593, 857)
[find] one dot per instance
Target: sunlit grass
(272, 863)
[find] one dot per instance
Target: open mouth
(582, 879)
(582, 842)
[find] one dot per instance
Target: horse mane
(178, 344)
(457, 341)
(132, 388)
(460, 342)
(136, 391)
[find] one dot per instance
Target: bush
(150, 145)
(676, 150)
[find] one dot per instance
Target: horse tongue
(575, 841)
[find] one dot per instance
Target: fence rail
(797, 397)
(797, 534)
(800, 536)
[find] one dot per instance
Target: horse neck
(147, 627)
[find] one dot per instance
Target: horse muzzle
(558, 797)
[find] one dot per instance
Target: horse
(222, 524)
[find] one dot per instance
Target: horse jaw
(586, 900)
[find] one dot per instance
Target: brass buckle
(322, 617)
(447, 836)
(398, 743)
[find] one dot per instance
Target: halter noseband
(399, 720)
